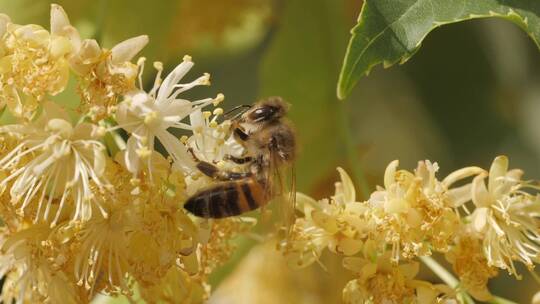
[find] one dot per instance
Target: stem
(113, 140)
(440, 271)
(447, 278)
(452, 281)
(359, 174)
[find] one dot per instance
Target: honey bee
(270, 146)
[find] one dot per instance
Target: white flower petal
(461, 174)
(480, 195)
(390, 173)
(176, 150)
(127, 49)
(349, 194)
(460, 195)
(131, 158)
(4, 20)
(59, 20)
(498, 170)
(172, 79)
(479, 219)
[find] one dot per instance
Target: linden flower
(54, 161)
(147, 116)
(506, 217)
(175, 287)
(414, 213)
(104, 73)
(211, 142)
(32, 273)
(339, 224)
(471, 266)
(33, 65)
(382, 281)
(102, 258)
(218, 248)
(163, 233)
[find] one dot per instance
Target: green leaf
(391, 31)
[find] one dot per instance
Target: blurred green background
(472, 91)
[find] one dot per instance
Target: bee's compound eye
(263, 113)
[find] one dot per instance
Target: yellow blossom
(176, 286)
(104, 74)
(147, 116)
(471, 266)
(102, 254)
(506, 217)
(163, 235)
(54, 161)
(33, 271)
(383, 281)
(338, 224)
(414, 212)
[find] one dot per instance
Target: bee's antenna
(242, 108)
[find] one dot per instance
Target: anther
(219, 98)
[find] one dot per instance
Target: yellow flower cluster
(415, 215)
(83, 215)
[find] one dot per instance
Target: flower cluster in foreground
(488, 222)
(83, 211)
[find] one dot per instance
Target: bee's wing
(291, 208)
(284, 189)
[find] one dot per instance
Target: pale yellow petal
(480, 195)
(397, 205)
(461, 174)
(305, 203)
(325, 221)
(4, 20)
(127, 49)
(460, 195)
(479, 219)
(498, 169)
(349, 194)
(390, 173)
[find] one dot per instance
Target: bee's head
(267, 110)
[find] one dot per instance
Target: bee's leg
(240, 135)
(239, 160)
(214, 172)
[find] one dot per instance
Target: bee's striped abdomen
(227, 199)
